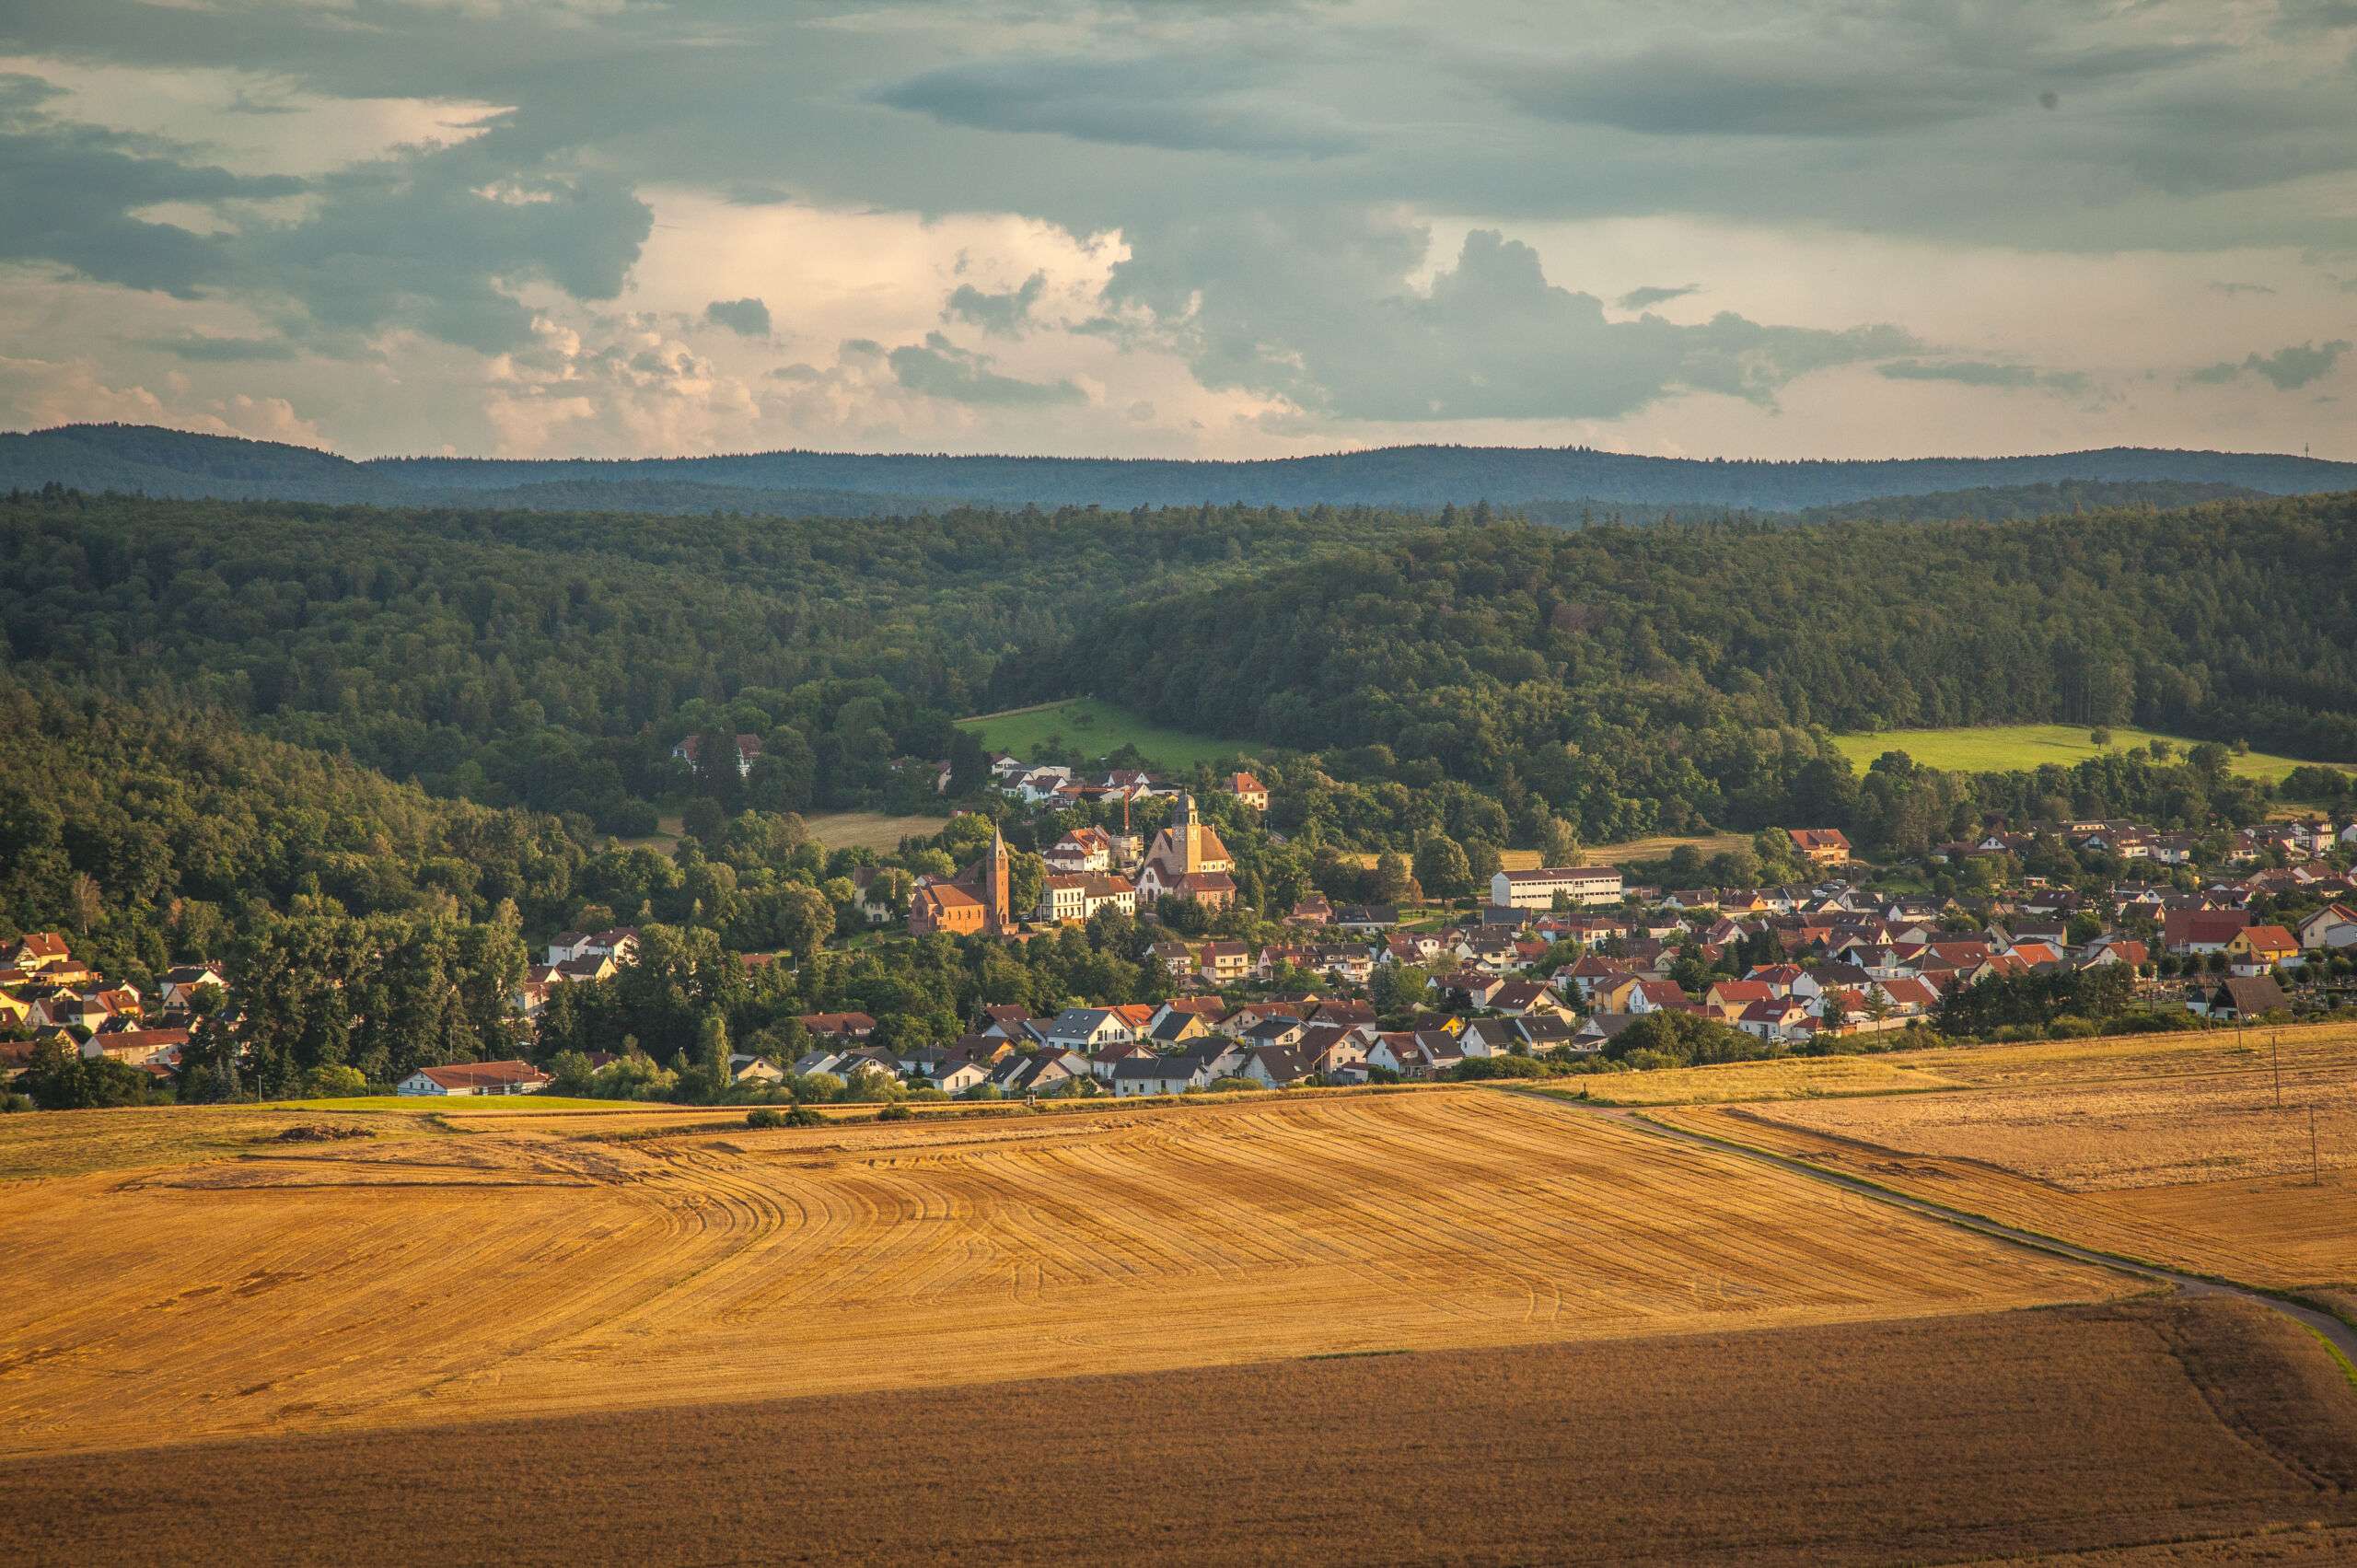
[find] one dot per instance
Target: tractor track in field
(2336, 1333)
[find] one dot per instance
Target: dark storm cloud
(746, 318)
(1002, 313)
(939, 368)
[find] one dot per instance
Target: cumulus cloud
(1490, 339)
(2287, 369)
(1982, 373)
(939, 368)
(746, 318)
(1002, 313)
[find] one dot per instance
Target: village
(1552, 964)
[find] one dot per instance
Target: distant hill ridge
(179, 464)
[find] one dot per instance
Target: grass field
(870, 829)
(2017, 748)
(516, 1270)
(2183, 1432)
(2170, 1149)
(1097, 727)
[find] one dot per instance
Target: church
(977, 901)
(1187, 861)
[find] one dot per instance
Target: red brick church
(977, 901)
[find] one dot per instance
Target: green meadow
(1097, 727)
(2017, 748)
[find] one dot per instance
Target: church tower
(1186, 834)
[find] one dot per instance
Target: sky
(1781, 229)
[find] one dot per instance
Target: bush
(1474, 1069)
(764, 1116)
(803, 1116)
(338, 1082)
(1232, 1085)
(896, 1111)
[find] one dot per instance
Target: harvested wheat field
(2320, 1049)
(459, 1275)
(2171, 1150)
(2197, 1431)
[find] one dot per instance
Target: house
(745, 1069)
(961, 1074)
(2241, 997)
(1520, 998)
(1728, 998)
(2184, 932)
(138, 1048)
(1414, 1055)
(619, 943)
(182, 981)
(2257, 949)
(2331, 928)
(1600, 1029)
(1778, 1017)
(1822, 847)
(1276, 1066)
(1249, 791)
(1367, 918)
(1311, 910)
(1019, 1074)
(34, 950)
(1227, 963)
(839, 1025)
(1085, 1028)
(1152, 1074)
(691, 751)
(476, 1078)
(1080, 851)
(1071, 899)
(1579, 886)
(1177, 959)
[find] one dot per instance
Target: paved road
(2341, 1335)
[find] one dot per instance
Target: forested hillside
(551, 659)
(1501, 679)
(167, 462)
(1662, 677)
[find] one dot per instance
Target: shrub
(803, 1116)
(895, 1111)
(762, 1116)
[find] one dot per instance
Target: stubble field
(247, 1287)
(2173, 1149)
(2170, 1431)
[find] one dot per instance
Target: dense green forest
(168, 462)
(551, 659)
(1484, 676)
(1662, 677)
